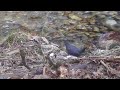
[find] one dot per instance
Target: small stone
(86, 33)
(81, 27)
(96, 29)
(72, 16)
(92, 21)
(116, 27)
(111, 22)
(101, 16)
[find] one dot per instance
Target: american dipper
(73, 50)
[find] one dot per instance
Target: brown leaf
(63, 71)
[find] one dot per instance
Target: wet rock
(111, 22)
(109, 40)
(116, 27)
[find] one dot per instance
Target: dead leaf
(63, 71)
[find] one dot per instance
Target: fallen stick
(111, 70)
(115, 59)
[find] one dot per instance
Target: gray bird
(73, 50)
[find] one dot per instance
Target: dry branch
(111, 70)
(115, 59)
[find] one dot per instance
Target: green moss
(10, 39)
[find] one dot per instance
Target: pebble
(72, 16)
(111, 22)
(96, 29)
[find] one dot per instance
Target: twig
(115, 59)
(111, 70)
(105, 65)
(22, 54)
